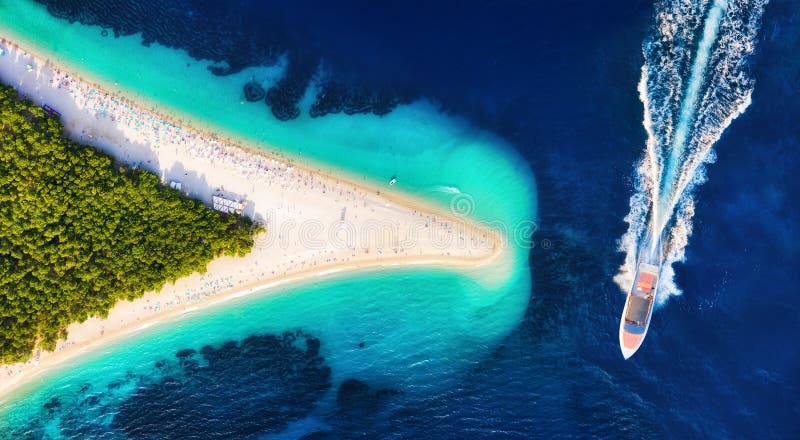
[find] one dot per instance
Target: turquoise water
(416, 142)
(412, 328)
(418, 326)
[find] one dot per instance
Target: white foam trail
(683, 119)
(446, 189)
(688, 109)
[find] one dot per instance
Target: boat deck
(638, 308)
(641, 298)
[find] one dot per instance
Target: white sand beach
(315, 224)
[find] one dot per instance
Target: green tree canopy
(78, 233)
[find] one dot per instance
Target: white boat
(393, 181)
(638, 309)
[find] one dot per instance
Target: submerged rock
(356, 395)
(318, 435)
(52, 405)
(335, 97)
(283, 98)
(181, 354)
(242, 389)
(254, 92)
(312, 346)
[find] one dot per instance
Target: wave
(695, 81)
(446, 189)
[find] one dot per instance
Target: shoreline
(179, 118)
(405, 211)
(9, 389)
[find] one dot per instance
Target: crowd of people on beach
(157, 132)
(259, 169)
(146, 127)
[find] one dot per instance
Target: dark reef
(354, 395)
(258, 385)
(232, 40)
(239, 389)
(320, 435)
(254, 92)
(226, 34)
(52, 405)
(335, 97)
(284, 96)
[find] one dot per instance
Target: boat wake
(695, 81)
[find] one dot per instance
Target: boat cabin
(640, 301)
(644, 285)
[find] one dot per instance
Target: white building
(227, 205)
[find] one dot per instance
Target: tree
(79, 233)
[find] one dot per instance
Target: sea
(531, 116)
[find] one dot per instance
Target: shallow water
(419, 328)
(558, 81)
(407, 331)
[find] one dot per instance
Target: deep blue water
(558, 80)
